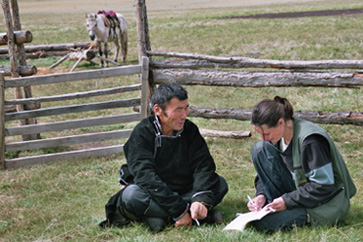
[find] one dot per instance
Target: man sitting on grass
(174, 178)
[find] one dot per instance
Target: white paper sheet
(243, 219)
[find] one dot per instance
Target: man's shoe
(214, 217)
(118, 220)
(155, 224)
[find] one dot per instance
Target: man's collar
(158, 128)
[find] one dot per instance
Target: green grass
(64, 201)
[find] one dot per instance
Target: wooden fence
(97, 120)
(196, 69)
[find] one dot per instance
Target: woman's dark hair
(166, 92)
(268, 111)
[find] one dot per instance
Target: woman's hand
(277, 204)
(257, 203)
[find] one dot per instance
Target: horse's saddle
(109, 18)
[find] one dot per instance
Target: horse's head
(91, 20)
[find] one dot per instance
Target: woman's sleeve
(317, 165)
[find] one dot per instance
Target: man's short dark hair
(166, 92)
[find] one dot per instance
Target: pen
(253, 204)
(271, 209)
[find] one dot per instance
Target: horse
(105, 27)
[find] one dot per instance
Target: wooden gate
(98, 119)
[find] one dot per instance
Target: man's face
(173, 118)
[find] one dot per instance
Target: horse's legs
(106, 52)
(117, 49)
(100, 52)
(123, 40)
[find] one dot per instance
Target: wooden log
(3, 39)
(20, 37)
(38, 54)
(23, 36)
(354, 118)
(83, 55)
(257, 79)
(225, 134)
(75, 65)
(72, 124)
(108, 60)
(73, 109)
(59, 61)
(267, 63)
(190, 64)
(52, 47)
(27, 70)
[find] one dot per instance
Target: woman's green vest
(337, 207)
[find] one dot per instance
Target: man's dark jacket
(169, 166)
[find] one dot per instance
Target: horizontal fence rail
(72, 109)
(41, 159)
(355, 118)
(257, 79)
(68, 140)
(72, 124)
(73, 76)
(77, 95)
(244, 62)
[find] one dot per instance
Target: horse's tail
(123, 24)
(123, 28)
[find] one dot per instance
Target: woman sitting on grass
(300, 172)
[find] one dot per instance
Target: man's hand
(186, 221)
(277, 204)
(257, 203)
(198, 211)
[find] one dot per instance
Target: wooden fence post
(2, 121)
(22, 62)
(13, 55)
(12, 52)
(143, 40)
(144, 110)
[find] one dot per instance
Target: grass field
(64, 201)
